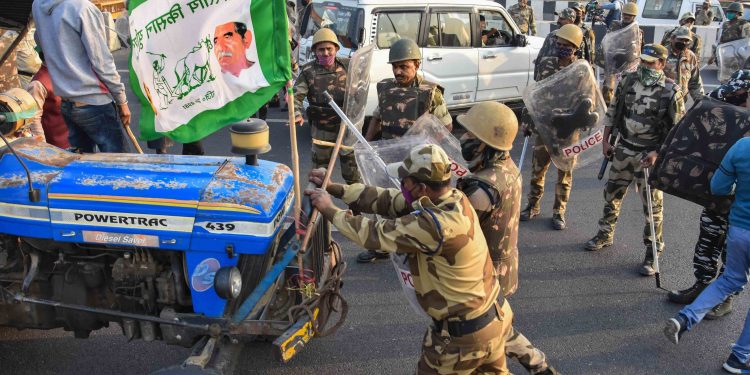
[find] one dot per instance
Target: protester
(71, 35)
(48, 119)
(9, 69)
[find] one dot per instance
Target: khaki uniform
(704, 17)
(695, 46)
(608, 87)
(524, 18)
(649, 113)
(313, 81)
(9, 70)
(684, 70)
(495, 194)
(399, 107)
(540, 160)
(452, 270)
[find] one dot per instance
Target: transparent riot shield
(621, 49)
(731, 57)
(435, 131)
(568, 109)
(357, 87)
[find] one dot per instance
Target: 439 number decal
(224, 227)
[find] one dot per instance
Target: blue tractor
(194, 251)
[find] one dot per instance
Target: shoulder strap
(474, 182)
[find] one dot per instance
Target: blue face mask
(731, 15)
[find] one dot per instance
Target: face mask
(730, 16)
(407, 194)
(647, 76)
(472, 151)
(680, 46)
(326, 60)
(564, 52)
(578, 20)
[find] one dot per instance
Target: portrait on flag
(198, 65)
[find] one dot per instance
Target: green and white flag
(199, 65)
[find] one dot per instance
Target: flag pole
(295, 170)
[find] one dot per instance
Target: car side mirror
(519, 40)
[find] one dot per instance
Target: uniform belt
(459, 328)
(638, 148)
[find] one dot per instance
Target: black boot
(721, 309)
(687, 296)
(647, 267)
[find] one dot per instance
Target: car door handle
(434, 58)
(489, 56)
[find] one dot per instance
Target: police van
(449, 34)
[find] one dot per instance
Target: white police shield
(568, 112)
(731, 57)
(622, 49)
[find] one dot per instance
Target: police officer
(683, 65)
(651, 105)
(402, 99)
(704, 16)
(696, 42)
(569, 39)
(494, 190)
(566, 16)
(735, 28)
(711, 244)
(326, 73)
(588, 48)
(629, 12)
(452, 270)
(523, 15)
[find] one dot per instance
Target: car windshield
(343, 20)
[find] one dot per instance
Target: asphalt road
(590, 312)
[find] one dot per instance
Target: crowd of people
(460, 241)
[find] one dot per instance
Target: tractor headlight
(228, 282)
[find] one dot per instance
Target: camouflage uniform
(314, 79)
(524, 18)
(588, 48)
(734, 30)
(684, 70)
(540, 160)
(495, 194)
(703, 18)
(399, 107)
(695, 46)
(608, 86)
(454, 278)
(649, 113)
(8, 71)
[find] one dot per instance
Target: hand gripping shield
(622, 49)
(371, 161)
(731, 57)
(568, 110)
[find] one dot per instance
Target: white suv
(450, 36)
